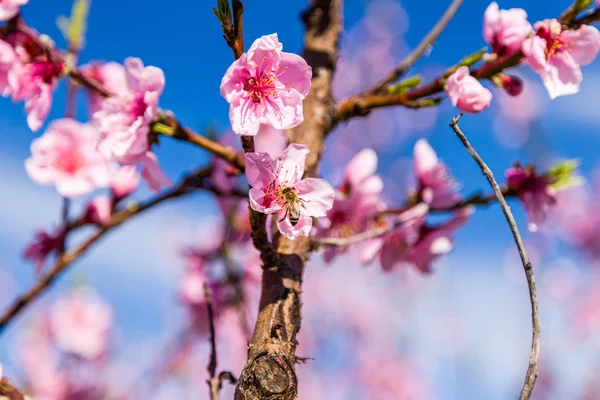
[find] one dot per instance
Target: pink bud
(512, 84)
(466, 92)
(98, 211)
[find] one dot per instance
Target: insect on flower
(292, 205)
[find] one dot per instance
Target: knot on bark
(270, 377)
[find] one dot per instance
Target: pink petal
(534, 49)
(259, 169)
(362, 166)
(583, 43)
(425, 158)
(289, 166)
(285, 111)
(265, 52)
(318, 196)
(152, 173)
(295, 73)
(235, 77)
(302, 228)
(245, 115)
(270, 140)
(37, 106)
(562, 77)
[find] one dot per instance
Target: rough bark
(270, 371)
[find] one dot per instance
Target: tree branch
(418, 52)
(214, 384)
(363, 103)
(532, 370)
(9, 391)
(67, 258)
(270, 370)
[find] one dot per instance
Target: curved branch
(66, 259)
(532, 370)
(418, 52)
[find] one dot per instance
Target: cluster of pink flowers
(266, 86)
(278, 188)
(123, 120)
(551, 50)
(410, 240)
(27, 73)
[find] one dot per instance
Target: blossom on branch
(124, 121)
(436, 186)
(10, 8)
(557, 54)
(418, 244)
(505, 30)
(27, 73)
(66, 156)
(466, 92)
(110, 75)
(278, 187)
(357, 202)
(266, 86)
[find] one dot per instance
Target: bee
(291, 205)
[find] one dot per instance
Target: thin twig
(363, 103)
(414, 212)
(66, 259)
(238, 28)
(532, 370)
(418, 52)
(214, 384)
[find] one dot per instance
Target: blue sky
(184, 39)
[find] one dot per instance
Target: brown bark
(270, 370)
(9, 391)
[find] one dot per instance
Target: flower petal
(318, 196)
(289, 166)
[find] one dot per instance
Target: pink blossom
(557, 55)
(436, 187)
(66, 156)
(34, 83)
(41, 247)
(278, 187)
(534, 191)
(99, 210)
(466, 92)
(505, 30)
(111, 76)
(10, 8)
(418, 244)
(266, 86)
(124, 181)
(80, 323)
(124, 119)
(8, 60)
(357, 201)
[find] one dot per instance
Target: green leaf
(223, 12)
(580, 5)
(74, 27)
(162, 129)
(563, 174)
(406, 84)
(472, 59)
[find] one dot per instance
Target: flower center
(46, 71)
(554, 42)
(262, 87)
(136, 107)
(70, 162)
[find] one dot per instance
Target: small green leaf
(563, 174)
(430, 102)
(472, 59)
(406, 84)
(74, 27)
(581, 5)
(162, 129)
(223, 12)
